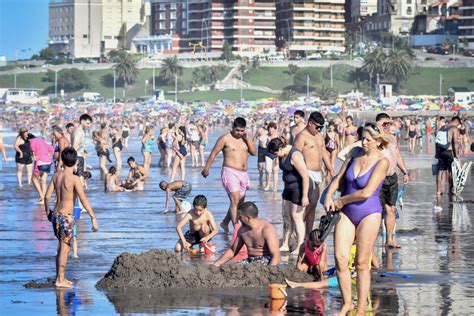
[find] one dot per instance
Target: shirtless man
(258, 235)
(202, 226)
(236, 147)
(79, 143)
(298, 118)
(67, 187)
(311, 144)
(389, 191)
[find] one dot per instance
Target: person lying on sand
(258, 235)
(202, 226)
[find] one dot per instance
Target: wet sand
(435, 250)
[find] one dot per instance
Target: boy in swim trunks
(67, 187)
(202, 226)
(181, 189)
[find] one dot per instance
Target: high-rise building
(362, 8)
(75, 27)
(247, 25)
(310, 26)
(91, 28)
(466, 28)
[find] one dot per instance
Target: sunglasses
(387, 124)
(373, 126)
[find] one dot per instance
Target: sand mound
(157, 269)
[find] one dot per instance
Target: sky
(23, 26)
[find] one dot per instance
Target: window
(108, 37)
(84, 35)
(409, 11)
(408, 1)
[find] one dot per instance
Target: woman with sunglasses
(363, 173)
(296, 192)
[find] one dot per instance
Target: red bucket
(209, 248)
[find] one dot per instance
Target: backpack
(442, 141)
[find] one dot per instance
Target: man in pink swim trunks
(236, 147)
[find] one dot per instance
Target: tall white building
(91, 28)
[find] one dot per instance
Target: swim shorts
(44, 168)
(259, 259)
(445, 159)
(194, 238)
(63, 226)
(183, 192)
(333, 282)
(389, 192)
(80, 166)
(235, 180)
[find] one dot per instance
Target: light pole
(207, 35)
(115, 79)
(176, 87)
(307, 87)
(332, 83)
(153, 79)
(241, 79)
(370, 85)
(440, 84)
(55, 83)
(454, 50)
(14, 78)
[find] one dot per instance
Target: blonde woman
(362, 175)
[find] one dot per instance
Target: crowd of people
(359, 197)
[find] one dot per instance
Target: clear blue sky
(23, 25)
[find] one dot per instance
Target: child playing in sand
(312, 257)
(111, 183)
(332, 281)
(181, 189)
(202, 226)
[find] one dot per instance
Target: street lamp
(55, 83)
(204, 22)
(115, 78)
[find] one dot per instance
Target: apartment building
(247, 25)
(309, 26)
(91, 28)
(395, 16)
(466, 27)
(360, 9)
(75, 27)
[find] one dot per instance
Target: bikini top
(353, 133)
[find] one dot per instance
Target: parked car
(315, 56)
(359, 59)
(437, 50)
(469, 52)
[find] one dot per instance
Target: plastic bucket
(209, 248)
(277, 291)
(277, 307)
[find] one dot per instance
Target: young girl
(312, 257)
(111, 183)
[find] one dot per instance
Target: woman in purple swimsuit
(363, 173)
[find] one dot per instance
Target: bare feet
(346, 308)
(285, 248)
(393, 245)
(40, 202)
(65, 283)
(225, 228)
(291, 284)
(267, 188)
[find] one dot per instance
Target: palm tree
(398, 66)
(375, 62)
(170, 69)
(325, 92)
(126, 68)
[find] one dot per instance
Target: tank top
(290, 174)
(313, 256)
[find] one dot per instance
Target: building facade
(360, 9)
(310, 26)
(247, 25)
(92, 28)
(466, 27)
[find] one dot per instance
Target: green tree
(227, 54)
(325, 92)
(300, 79)
(69, 80)
(47, 53)
(292, 70)
(398, 67)
(288, 95)
(170, 69)
(126, 68)
(375, 62)
(339, 72)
